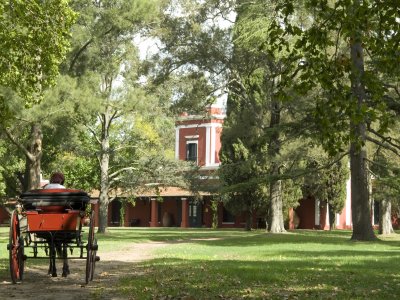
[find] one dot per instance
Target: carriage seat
(47, 198)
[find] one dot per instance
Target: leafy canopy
(34, 40)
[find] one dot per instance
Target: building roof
(151, 192)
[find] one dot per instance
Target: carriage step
(97, 258)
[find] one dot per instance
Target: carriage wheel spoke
(16, 250)
(91, 250)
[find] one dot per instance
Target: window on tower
(191, 151)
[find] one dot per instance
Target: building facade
(197, 139)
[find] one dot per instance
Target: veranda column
(154, 213)
(185, 213)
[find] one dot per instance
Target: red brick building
(198, 139)
(314, 214)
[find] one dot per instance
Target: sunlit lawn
(233, 264)
(3, 251)
(236, 264)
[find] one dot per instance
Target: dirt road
(113, 265)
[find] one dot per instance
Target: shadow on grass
(4, 270)
(226, 238)
(167, 234)
(293, 277)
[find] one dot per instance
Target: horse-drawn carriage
(52, 221)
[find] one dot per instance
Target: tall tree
(33, 152)
(336, 54)
(33, 128)
(256, 103)
(385, 186)
(326, 181)
(198, 41)
(105, 62)
(35, 39)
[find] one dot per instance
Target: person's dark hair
(57, 177)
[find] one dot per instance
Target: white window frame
(197, 149)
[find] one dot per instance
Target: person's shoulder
(54, 186)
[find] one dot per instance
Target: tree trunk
(122, 213)
(249, 220)
(332, 217)
(276, 206)
(385, 217)
(360, 204)
(104, 199)
(33, 157)
(103, 213)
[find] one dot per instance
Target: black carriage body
(69, 199)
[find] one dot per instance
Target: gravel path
(113, 265)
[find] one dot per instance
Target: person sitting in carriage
(56, 181)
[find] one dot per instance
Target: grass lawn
(233, 264)
(298, 265)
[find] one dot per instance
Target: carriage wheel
(93, 259)
(91, 250)
(16, 250)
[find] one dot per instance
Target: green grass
(233, 264)
(3, 251)
(300, 265)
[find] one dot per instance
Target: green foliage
(106, 29)
(102, 52)
(2, 170)
(194, 51)
(35, 39)
(12, 167)
(328, 182)
(332, 59)
(385, 168)
(191, 93)
(130, 131)
(259, 139)
(321, 62)
(80, 171)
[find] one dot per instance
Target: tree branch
(77, 54)
(116, 173)
(83, 48)
(93, 132)
(19, 145)
(383, 145)
(384, 138)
